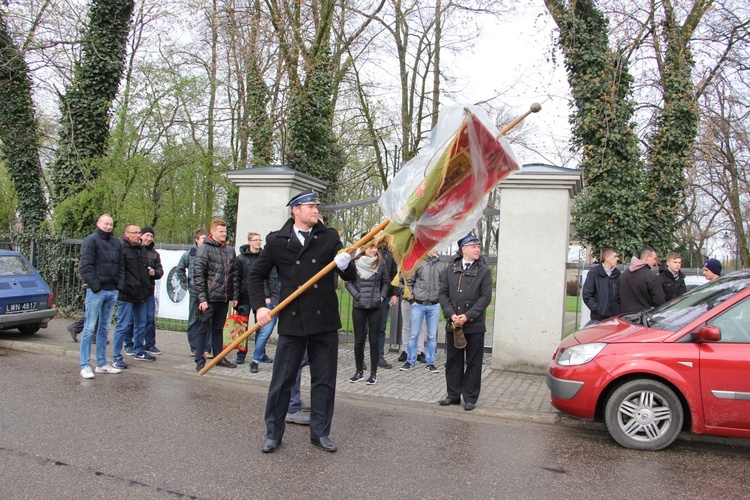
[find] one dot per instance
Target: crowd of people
(255, 280)
(608, 292)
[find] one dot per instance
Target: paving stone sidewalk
(505, 394)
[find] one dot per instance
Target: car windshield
(679, 312)
(11, 265)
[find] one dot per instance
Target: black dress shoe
(270, 445)
(402, 357)
(200, 364)
(324, 442)
(446, 401)
(468, 406)
(226, 363)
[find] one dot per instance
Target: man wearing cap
(712, 269)
(155, 271)
(465, 293)
(639, 287)
(299, 250)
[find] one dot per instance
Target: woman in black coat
(369, 290)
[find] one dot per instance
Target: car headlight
(579, 354)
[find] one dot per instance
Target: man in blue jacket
(100, 265)
(600, 288)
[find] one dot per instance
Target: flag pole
(534, 108)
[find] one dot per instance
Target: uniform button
(297, 262)
(315, 285)
(313, 261)
(294, 313)
(318, 312)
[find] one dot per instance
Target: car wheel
(29, 329)
(643, 415)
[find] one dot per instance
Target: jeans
(99, 308)
(131, 322)
(419, 313)
(406, 328)
(150, 322)
(261, 338)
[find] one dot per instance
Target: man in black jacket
(241, 275)
(299, 250)
(156, 271)
(639, 288)
(133, 283)
(214, 262)
(465, 292)
(600, 288)
(186, 274)
(671, 278)
(100, 261)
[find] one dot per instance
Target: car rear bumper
(27, 318)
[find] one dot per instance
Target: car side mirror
(708, 334)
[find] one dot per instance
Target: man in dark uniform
(465, 292)
(301, 248)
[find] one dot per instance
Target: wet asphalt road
(149, 434)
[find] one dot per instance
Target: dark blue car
(26, 302)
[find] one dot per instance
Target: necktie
(305, 235)
(467, 266)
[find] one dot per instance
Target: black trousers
(366, 322)
(461, 381)
(214, 328)
(322, 352)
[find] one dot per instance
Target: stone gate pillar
(534, 227)
(264, 193)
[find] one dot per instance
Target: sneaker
(407, 366)
(253, 367)
(153, 350)
(129, 351)
(87, 373)
(118, 363)
(144, 356)
(372, 380)
(208, 355)
(431, 369)
(384, 364)
(266, 359)
(403, 357)
(357, 377)
(107, 368)
(421, 358)
(298, 417)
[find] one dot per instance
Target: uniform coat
(308, 324)
(469, 292)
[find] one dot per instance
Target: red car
(683, 365)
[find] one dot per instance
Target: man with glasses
(243, 264)
(134, 285)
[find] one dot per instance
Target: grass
(572, 302)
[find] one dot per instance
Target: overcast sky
(512, 59)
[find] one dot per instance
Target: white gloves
(342, 260)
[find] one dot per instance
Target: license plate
(20, 307)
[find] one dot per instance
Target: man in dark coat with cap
(465, 292)
(299, 250)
